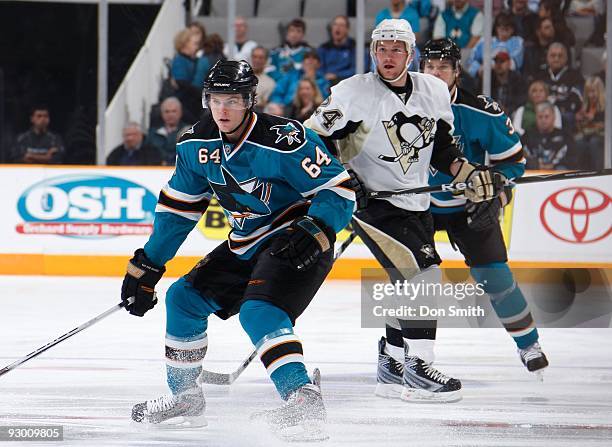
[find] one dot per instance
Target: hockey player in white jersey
(389, 127)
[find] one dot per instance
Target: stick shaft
(61, 338)
(510, 182)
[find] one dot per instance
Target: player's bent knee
(259, 318)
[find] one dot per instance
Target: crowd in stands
(558, 113)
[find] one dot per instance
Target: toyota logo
(577, 215)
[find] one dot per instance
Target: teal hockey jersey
(481, 128)
(277, 172)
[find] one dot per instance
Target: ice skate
(423, 383)
(182, 410)
(389, 374)
(301, 418)
(534, 359)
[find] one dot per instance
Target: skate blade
(177, 423)
(424, 396)
(389, 390)
(539, 375)
(313, 432)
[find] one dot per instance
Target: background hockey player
(482, 128)
(389, 127)
(285, 197)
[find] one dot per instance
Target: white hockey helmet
(393, 29)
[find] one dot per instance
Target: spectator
(164, 138)
(524, 19)
(265, 86)
(460, 22)
(524, 119)
(546, 147)
(213, 51)
(285, 89)
(183, 72)
(604, 63)
(503, 39)
(38, 144)
(508, 87)
(564, 83)
(590, 125)
(133, 151)
(411, 12)
(198, 29)
(585, 8)
(337, 55)
(536, 49)
(307, 99)
(552, 10)
(243, 46)
(290, 55)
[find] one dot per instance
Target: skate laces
(435, 374)
(162, 403)
(532, 352)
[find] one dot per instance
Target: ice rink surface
(89, 383)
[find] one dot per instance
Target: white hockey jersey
(388, 143)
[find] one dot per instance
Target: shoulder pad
(205, 129)
(275, 132)
(480, 103)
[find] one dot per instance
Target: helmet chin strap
(244, 118)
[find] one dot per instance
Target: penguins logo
(407, 135)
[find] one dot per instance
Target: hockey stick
(61, 338)
(449, 187)
(214, 378)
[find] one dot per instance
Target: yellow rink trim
(79, 265)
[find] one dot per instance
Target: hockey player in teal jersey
(481, 129)
(285, 198)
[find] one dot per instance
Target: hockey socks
(508, 302)
(279, 349)
(184, 361)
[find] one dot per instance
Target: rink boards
(66, 220)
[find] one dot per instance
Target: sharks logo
(458, 143)
(242, 200)
(408, 135)
(490, 104)
(288, 131)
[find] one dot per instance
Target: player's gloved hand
(482, 183)
(305, 240)
(483, 215)
(139, 282)
(361, 192)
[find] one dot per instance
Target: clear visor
(219, 101)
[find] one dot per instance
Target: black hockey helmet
(231, 77)
(441, 49)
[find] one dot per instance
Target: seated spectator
(307, 99)
(337, 55)
(38, 144)
(164, 138)
(585, 8)
(243, 46)
(290, 55)
(460, 22)
(546, 147)
(265, 86)
(285, 89)
(133, 151)
(524, 20)
(411, 12)
(508, 87)
(503, 39)
(590, 125)
(213, 52)
(564, 83)
(536, 49)
(553, 10)
(524, 119)
(597, 37)
(183, 73)
(198, 29)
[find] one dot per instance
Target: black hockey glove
(361, 192)
(140, 280)
(305, 240)
(483, 215)
(481, 182)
